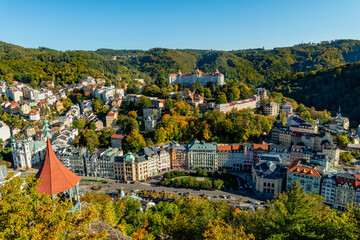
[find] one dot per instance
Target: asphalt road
(112, 188)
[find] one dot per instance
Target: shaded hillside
(326, 89)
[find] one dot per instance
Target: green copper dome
(129, 157)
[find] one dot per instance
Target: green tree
(221, 98)
(79, 124)
(207, 184)
(97, 105)
(89, 139)
(169, 103)
(207, 93)
(233, 94)
(218, 184)
(144, 102)
(128, 124)
(105, 136)
(298, 215)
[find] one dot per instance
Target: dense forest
(326, 89)
(254, 66)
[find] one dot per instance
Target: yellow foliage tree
(27, 214)
(220, 230)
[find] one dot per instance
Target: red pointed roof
(56, 177)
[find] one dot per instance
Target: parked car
(228, 197)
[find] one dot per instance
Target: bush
(346, 157)
(96, 188)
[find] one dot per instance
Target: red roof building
(56, 178)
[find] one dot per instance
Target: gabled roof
(305, 171)
(261, 146)
(55, 176)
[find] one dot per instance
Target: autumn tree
(182, 108)
(220, 230)
(27, 214)
(134, 141)
(346, 157)
(132, 114)
(341, 140)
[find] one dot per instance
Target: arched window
(264, 184)
(273, 185)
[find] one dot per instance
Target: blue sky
(198, 24)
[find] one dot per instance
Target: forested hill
(316, 74)
(326, 89)
(36, 65)
(254, 66)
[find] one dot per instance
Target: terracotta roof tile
(55, 176)
(305, 171)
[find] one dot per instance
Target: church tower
(26, 153)
(14, 152)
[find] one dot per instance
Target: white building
(51, 100)
(250, 103)
(25, 109)
(328, 188)
(14, 94)
(190, 78)
(287, 108)
(105, 93)
(230, 156)
(203, 155)
(268, 177)
(150, 123)
(86, 106)
(5, 133)
(34, 115)
(271, 109)
(3, 87)
(27, 154)
(158, 160)
(37, 95)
